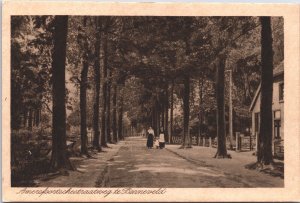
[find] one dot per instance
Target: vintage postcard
(150, 102)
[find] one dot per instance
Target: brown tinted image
(147, 101)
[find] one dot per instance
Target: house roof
(278, 70)
(255, 98)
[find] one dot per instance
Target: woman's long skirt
(150, 141)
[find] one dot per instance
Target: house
(277, 108)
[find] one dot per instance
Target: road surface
(131, 164)
(136, 166)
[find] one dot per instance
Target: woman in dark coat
(150, 138)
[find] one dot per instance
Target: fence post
(237, 141)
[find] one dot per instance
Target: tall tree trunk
(40, 116)
(33, 117)
(114, 118)
(166, 113)
(187, 139)
(171, 113)
(96, 140)
(162, 112)
(221, 151)
(83, 88)
(157, 118)
(25, 117)
(108, 117)
(153, 116)
(37, 117)
(83, 125)
(120, 117)
(200, 110)
(186, 113)
(264, 154)
(59, 158)
(104, 90)
(30, 119)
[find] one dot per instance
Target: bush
(29, 153)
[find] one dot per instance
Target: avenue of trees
(116, 75)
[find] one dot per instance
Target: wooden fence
(246, 143)
(205, 141)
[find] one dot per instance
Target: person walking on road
(161, 138)
(150, 138)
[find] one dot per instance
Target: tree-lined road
(113, 76)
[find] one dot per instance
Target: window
(281, 91)
(277, 125)
(277, 115)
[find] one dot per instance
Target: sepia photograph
(156, 101)
(142, 104)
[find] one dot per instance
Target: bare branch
(47, 106)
